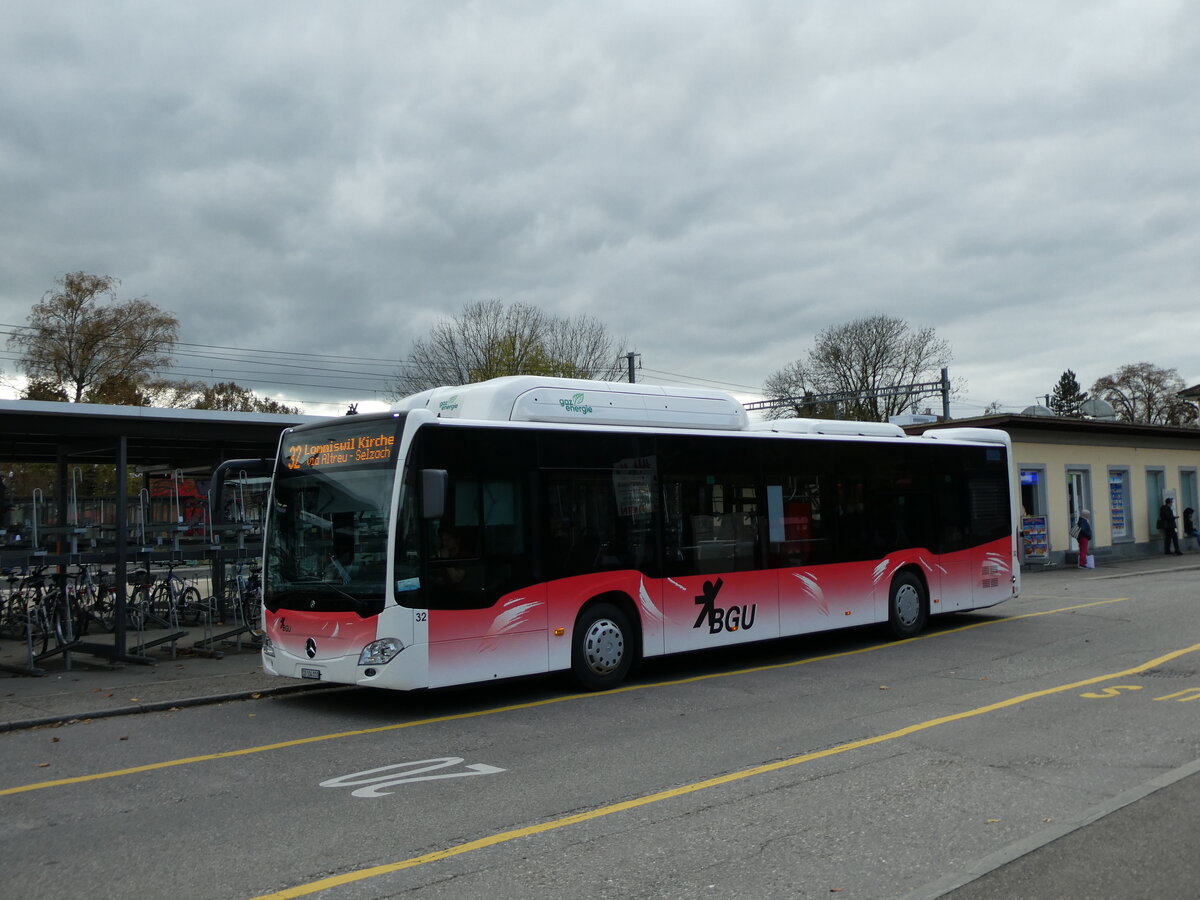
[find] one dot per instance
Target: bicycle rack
(65, 640)
(204, 646)
(29, 668)
(233, 636)
(39, 498)
(217, 631)
(172, 622)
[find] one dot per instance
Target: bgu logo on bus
(728, 619)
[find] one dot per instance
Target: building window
(1033, 491)
(1079, 489)
(1187, 491)
(1156, 493)
(1035, 527)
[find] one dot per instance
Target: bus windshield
(328, 522)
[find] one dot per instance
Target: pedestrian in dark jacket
(1169, 527)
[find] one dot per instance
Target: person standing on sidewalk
(1169, 527)
(1189, 525)
(1085, 537)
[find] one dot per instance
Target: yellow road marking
(502, 837)
(298, 742)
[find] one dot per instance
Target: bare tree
(488, 340)
(796, 382)
(1144, 393)
(80, 339)
(581, 347)
(857, 359)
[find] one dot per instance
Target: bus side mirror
(433, 493)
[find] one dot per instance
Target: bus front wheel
(908, 605)
(602, 651)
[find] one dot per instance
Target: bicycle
(28, 612)
(137, 603)
(173, 600)
(12, 612)
(95, 601)
(243, 595)
(41, 613)
(56, 606)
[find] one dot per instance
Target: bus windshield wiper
(318, 587)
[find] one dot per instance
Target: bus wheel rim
(908, 604)
(603, 646)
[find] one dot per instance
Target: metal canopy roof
(72, 433)
(34, 431)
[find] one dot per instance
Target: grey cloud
(716, 182)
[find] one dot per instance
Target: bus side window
(484, 527)
(581, 517)
(504, 528)
(453, 540)
(711, 524)
(795, 526)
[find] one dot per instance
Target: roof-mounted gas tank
(530, 398)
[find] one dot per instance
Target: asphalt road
(1044, 748)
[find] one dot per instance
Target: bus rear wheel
(908, 605)
(602, 649)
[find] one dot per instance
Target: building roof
(1083, 428)
(36, 431)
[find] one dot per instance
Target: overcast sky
(715, 181)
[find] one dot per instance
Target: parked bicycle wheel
(13, 615)
(85, 601)
(105, 608)
(43, 617)
(136, 606)
(192, 607)
(7, 623)
(161, 603)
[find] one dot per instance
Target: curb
(163, 705)
(1112, 571)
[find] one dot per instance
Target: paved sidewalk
(92, 687)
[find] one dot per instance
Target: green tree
(1145, 393)
(233, 397)
(225, 395)
(1067, 398)
(488, 340)
(80, 337)
(121, 390)
(856, 359)
(44, 390)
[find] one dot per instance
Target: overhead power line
(691, 379)
(311, 370)
(914, 391)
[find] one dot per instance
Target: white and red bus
(527, 525)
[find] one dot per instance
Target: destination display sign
(371, 444)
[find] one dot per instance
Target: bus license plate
(311, 673)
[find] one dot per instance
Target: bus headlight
(268, 648)
(380, 652)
